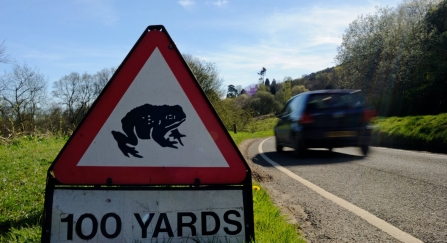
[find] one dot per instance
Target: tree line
(398, 57)
(26, 106)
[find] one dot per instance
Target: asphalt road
(405, 190)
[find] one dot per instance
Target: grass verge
(23, 166)
(241, 136)
(412, 132)
(270, 224)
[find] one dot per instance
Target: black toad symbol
(150, 121)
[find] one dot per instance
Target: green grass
(270, 224)
(241, 136)
(261, 124)
(23, 166)
(25, 161)
(413, 132)
(257, 129)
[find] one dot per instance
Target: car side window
(296, 106)
(287, 109)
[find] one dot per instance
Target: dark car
(325, 119)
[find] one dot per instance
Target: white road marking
(370, 218)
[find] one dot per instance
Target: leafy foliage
(263, 103)
(398, 58)
(232, 91)
(298, 90)
(207, 75)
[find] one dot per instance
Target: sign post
(150, 162)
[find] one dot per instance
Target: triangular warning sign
(152, 124)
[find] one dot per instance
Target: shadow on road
(312, 157)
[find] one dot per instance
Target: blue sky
(288, 38)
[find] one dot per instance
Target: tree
(231, 113)
(77, 93)
(380, 52)
(285, 93)
(4, 58)
(23, 92)
(267, 82)
(251, 89)
(432, 71)
(298, 90)
(262, 87)
(262, 73)
(207, 75)
(263, 103)
(232, 91)
(273, 89)
(101, 78)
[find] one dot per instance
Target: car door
(281, 129)
(289, 118)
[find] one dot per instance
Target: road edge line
(370, 218)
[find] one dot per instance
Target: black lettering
(181, 224)
(118, 225)
(232, 222)
(204, 223)
(69, 220)
(145, 224)
(168, 229)
(79, 226)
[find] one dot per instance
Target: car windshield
(335, 100)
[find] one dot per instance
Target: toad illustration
(150, 121)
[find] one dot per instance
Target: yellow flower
(256, 188)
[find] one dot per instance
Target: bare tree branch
(4, 58)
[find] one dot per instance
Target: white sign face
(155, 85)
(147, 216)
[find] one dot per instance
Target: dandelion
(256, 188)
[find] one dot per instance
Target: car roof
(328, 91)
(322, 91)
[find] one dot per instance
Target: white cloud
(288, 43)
(220, 3)
(186, 3)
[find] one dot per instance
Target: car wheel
(299, 147)
(365, 149)
(279, 148)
